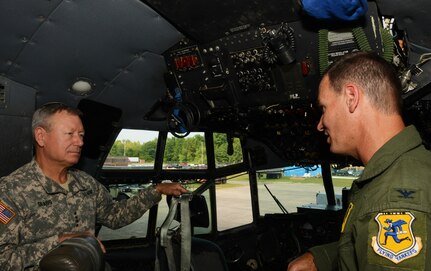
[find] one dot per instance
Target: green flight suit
(36, 210)
(387, 224)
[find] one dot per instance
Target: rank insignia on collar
(406, 194)
(395, 240)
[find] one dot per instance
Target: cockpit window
(344, 175)
(185, 153)
(294, 188)
(227, 150)
(163, 210)
(137, 229)
(133, 149)
(233, 201)
(287, 189)
(346, 172)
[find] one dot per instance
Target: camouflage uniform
(36, 210)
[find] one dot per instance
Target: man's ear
(352, 97)
(39, 136)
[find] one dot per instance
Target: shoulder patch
(6, 213)
(395, 239)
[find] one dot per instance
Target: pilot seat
(75, 254)
(176, 249)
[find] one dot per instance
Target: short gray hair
(42, 114)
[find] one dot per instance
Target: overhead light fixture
(82, 86)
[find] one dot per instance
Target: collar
(401, 143)
(51, 187)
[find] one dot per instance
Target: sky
(140, 135)
(137, 135)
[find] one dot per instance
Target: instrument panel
(262, 81)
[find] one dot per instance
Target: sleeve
(325, 256)
(116, 214)
(13, 254)
(397, 238)
(396, 228)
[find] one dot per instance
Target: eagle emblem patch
(395, 240)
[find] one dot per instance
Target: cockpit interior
(218, 95)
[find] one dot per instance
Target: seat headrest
(75, 254)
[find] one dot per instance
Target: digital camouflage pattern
(44, 210)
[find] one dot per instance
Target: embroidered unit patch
(6, 214)
(395, 240)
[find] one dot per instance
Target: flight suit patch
(395, 239)
(6, 213)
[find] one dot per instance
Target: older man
(46, 201)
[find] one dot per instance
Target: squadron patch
(395, 240)
(6, 214)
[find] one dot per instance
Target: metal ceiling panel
(100, 40)
(206, 21)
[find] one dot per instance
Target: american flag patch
(6, 214)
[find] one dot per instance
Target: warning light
(186, 62)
